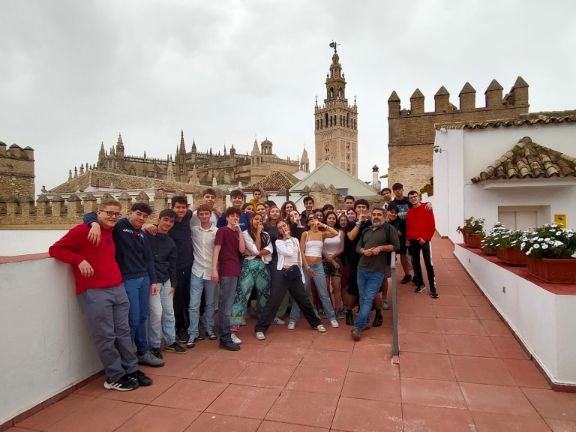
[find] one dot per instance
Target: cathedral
(201, 168)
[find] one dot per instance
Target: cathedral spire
(182, 145)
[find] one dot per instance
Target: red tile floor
(460, 370)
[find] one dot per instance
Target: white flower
(536, 246)
(544, 246)
(529, 251)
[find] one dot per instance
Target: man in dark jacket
(162, 321)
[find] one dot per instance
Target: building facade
(336, 123)
(411, 131)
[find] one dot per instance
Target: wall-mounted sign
(560, 219)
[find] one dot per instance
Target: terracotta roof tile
(529, 160)
(276, 181)
(538, 119)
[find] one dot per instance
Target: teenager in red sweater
(420, 228)
(102, 297)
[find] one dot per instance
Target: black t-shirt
(403, 206)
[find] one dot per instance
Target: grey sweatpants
(105, 312)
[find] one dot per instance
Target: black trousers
(415, 248)
(182, 300)
(279, 286)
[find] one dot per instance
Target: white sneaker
(291, 325)
(260, 335)
(279, 321)
(334, 323)
(236, 339)
(321, 328)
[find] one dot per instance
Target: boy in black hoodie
(162, 321)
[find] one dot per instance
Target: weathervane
(334, 45)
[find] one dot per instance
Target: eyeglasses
(111, 213)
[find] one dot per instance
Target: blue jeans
(197, 285)
(320, 281)
(369, 284)
(228, 286)
(138, 291)
(161, 319)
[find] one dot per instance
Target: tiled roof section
(274, 182)
(529, 160)
(539, 119)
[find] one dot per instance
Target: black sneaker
(175, 348)
(356, 332)
(123, 384)
(377, 320)
(406, 279)
(211, 335)
(420, 288)
(140, 378)
(182, 336)
(156, 353)
(349, 317)
(229, 345)
(434, 294)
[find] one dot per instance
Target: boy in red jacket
(102, 297)
(420, 228)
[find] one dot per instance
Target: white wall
(466, 153)
(45, 346)
(449, 183)
(544, 322)
(22, 242)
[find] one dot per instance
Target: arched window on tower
(340, 92)
(326, 119)
(331, 92)
(317, 124)
(347, 119)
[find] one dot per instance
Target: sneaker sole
(118, 387)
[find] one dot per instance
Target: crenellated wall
(16, 170)
(67, 209)
(411, 131)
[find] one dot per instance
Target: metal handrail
(395, 345)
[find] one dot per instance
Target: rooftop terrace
(461, 369)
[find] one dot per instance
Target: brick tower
(336, 128)
(411, 131)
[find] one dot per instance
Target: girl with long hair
(311, 245)
(331, 251)
(254, 272)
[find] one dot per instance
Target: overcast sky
(75, 73)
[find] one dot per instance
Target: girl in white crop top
(311, 245)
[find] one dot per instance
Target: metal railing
(395, 345)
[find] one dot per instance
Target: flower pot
(512, 256)
(561, 271)
(488, 251)
(472, 240)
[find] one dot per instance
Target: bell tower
(336, 132)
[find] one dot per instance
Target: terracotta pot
(512, 256)
(472, 240)
(488, 251)
(561, 271)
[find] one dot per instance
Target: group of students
(139, 283)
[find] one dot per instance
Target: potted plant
(508, 249)
(472, 231)
(551, 253)
(491, 242)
